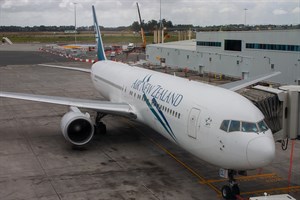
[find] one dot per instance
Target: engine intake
(77, 127)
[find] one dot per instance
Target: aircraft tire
(226, 192)
(235, 190)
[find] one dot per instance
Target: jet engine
(77, 127)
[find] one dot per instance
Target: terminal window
(276, 47)
(208, 44)
(233, 45)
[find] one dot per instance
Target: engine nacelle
(77, 127)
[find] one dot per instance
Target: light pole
(161, 25)
(245, 9)
(160, 13)
(75, 21)
(0, 15)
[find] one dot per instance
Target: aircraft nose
(260, 151)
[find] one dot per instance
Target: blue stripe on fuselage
(170, 132)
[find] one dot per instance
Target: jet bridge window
(234, 126)
(249, 127)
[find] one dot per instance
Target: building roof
(182, 45)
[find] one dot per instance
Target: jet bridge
(281, 108)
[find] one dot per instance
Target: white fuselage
(189, 114)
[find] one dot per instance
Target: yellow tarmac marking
(272, 190)
(202, 180)
(243, 178)
(71, 47)
(186, 166)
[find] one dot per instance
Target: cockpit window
(224, 125)
(249, 127)
(262, 126)
(234, 126)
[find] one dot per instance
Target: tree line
(149, 27)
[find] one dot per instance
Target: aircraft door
(193, 123)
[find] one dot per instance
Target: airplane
(214, 123)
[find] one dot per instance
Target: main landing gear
(100, 127)
(230, 191)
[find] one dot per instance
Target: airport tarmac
(21, 47)
(130, 162)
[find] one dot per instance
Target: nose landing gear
(230, 191)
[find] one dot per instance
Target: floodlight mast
(245, 23)
(161, 24)
(75, 3)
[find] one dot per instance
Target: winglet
(100, 49)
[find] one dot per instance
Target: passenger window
(234, 126)
(224, 125)
(249, 127)
(262, 126)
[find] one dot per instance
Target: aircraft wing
(107, 107)
(234, 86)
(69, 68)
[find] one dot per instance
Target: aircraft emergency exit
(215, 124)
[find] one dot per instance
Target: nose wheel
(230, 191)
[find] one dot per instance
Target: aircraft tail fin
(100, 49)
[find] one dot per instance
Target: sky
(114, 13)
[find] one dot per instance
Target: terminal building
(238, 54)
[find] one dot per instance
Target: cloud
(279, 12)
(112, 13)
(182, 10)
(296, 10)
(64, 3)
(11, 3)
(226, 10)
